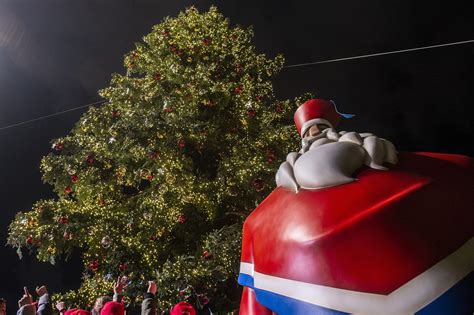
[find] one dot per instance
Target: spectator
(148, 304)
(183, 308)
(99, 304)
(116, 307)
(44, 305)
(77, 311)
(61, 307)
(113, 308)
(3, 306)
(25, 304)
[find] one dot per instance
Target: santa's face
(314, 130)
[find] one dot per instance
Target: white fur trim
(407, 299)
(246, 268)
(314, 121)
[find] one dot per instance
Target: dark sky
(55, 55)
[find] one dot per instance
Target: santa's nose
(315, 130)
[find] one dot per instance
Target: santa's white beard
(330, 158)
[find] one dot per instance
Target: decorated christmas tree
(155, 183)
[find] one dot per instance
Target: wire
(378, 54)
(51, 115)
(289, 66)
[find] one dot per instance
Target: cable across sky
(284, 67)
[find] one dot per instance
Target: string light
(284, 67)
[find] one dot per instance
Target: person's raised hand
(61, 306)
(26, 298)
(41, 290)
(152, 287)
(120, 284)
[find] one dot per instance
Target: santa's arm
(285, 176)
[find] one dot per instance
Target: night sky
(55, 55)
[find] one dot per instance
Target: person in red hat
(329, 158)
(113, 308)
(183, 308)
(61, 307)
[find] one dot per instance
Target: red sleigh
(380, 245)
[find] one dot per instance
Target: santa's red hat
(317, 111)
(183, 308)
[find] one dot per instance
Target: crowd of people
(104, 305)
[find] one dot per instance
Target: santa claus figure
(355, 228)
(327, 157)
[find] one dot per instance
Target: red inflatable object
(372, 236)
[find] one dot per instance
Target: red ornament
(63, 220)
(123, 267)
(30, 240)
(90, 159)
(206, 41)
(58, 146)
(68, 190)
(258, 184)
(166, 33)
(181, 143)
(251, 113)
(154, 155)
(182, 219)
(74, 178)
(271, 156)
(115, 113)
(168, 110)
(67, 236)
(149, 177)
(153, 238)
(258, 98)
(157, 76)
(93, 265)
(204, 299)
(207, 254)
(279, 108)
(101, 201)
(238, 89)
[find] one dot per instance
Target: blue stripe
(283, 305)
(459, 300)
(245, 280)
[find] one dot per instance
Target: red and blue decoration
(392, 242)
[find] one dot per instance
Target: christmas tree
(155, 183)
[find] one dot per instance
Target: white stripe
(408, 299)
(246, 268)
